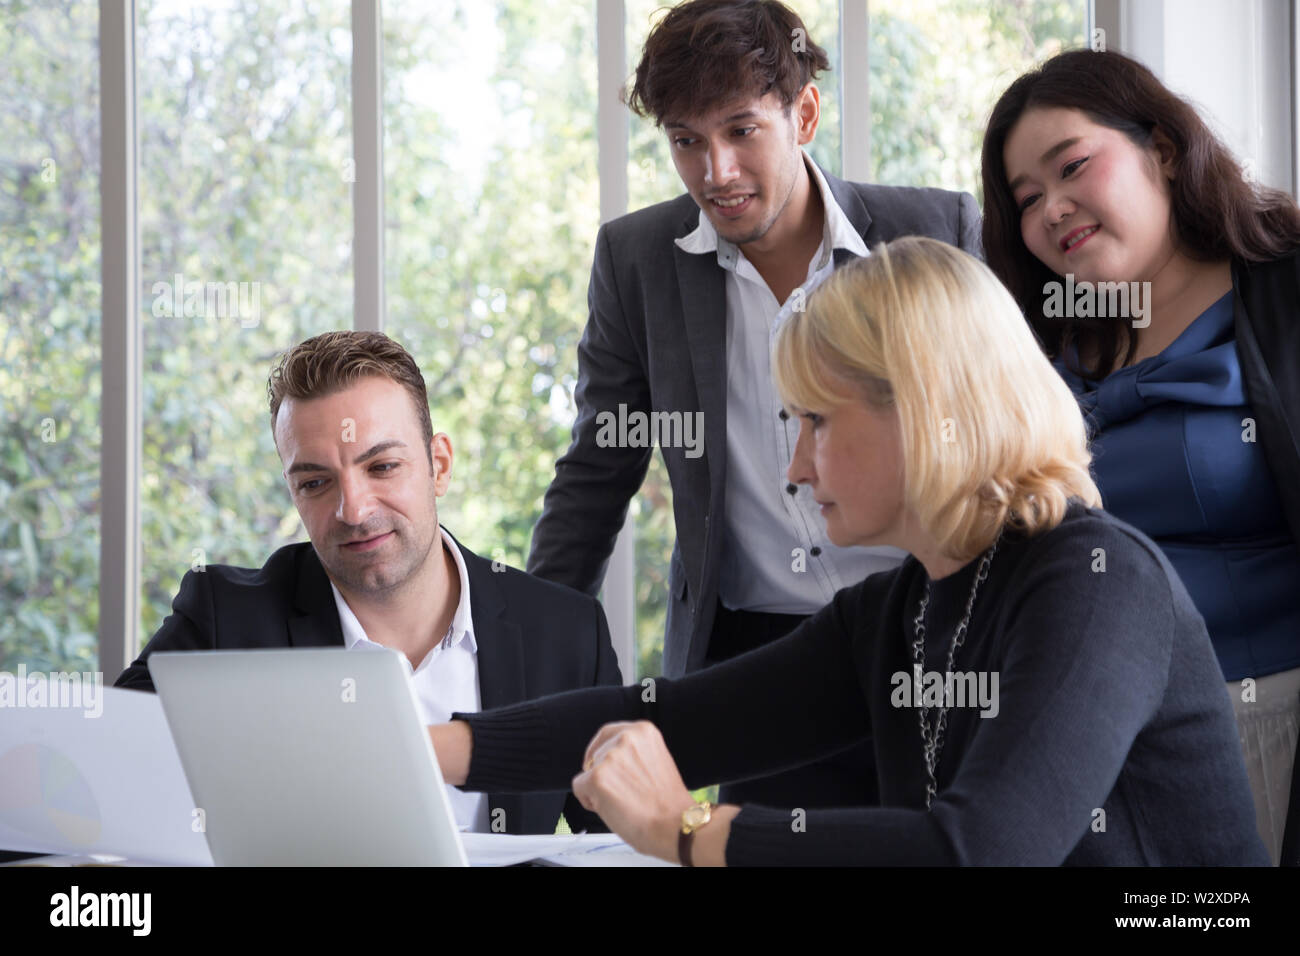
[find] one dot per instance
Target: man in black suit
(683, 302)
(350, 417)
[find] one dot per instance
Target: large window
(492, 206)
(49, 335)
(246, 248)
(246, 174)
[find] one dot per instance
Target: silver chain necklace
(932, 738)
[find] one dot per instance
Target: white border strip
(368, 155)
(120, 343)
(1295, 100)
(619, 593)
(855, 91)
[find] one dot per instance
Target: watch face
(695, 817)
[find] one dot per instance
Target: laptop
(307, 757)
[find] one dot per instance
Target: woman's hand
(630, 779)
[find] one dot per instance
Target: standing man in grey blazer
(684, 299)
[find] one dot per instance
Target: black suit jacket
(534, 638)
(1267, 323)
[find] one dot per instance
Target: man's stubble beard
(765, 228)
(386, 589)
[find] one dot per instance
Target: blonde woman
(1039, 685)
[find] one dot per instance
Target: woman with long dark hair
(1165, 287)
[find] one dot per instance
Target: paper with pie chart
(112, 784)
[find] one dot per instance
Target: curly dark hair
(706, 53)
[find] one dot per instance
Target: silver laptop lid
(309, 757)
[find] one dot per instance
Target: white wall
(1232, 58)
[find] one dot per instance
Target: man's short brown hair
(705, 54)
(334, 361)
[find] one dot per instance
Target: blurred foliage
(49, 335)
(935, 69)
(492, 206)
(245, 143)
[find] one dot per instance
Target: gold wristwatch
(692, 819)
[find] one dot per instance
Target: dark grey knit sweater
(1108, 738)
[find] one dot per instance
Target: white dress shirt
(445, 681)
(775, 556)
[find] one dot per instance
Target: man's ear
(806, 113)
(441, 456)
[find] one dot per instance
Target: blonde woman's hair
(990, 432)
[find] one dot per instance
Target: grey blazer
(656, 341)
